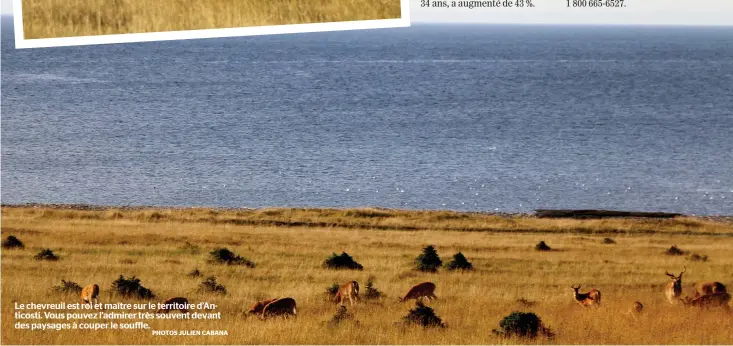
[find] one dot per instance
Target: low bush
(424, 316)
(46, 255)
(459, 262)
(224, 256)
(542, 246)
(211, 286)
(522, 324)
(131, 288)
(67, 287)
(11, 242)
(342, 261)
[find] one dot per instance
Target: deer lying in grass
(590, 298)
(176, 303)
(279, 307)
(719, 299)
(348, 290)
(425, 289)
(257, 308)
(673, 290)
(90, 294)
(708, 287)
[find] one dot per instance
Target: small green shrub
(459, 262)
(428, 260)
(424, 316)
(224, 256)
(46, 255)
(131, 288)
(11, 242)
(342, 261)
(608, 241)
(522, 324)
(210, 286)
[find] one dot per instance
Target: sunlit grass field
(63, 18)
(289, 246)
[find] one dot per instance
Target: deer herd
(706, 294)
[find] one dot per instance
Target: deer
(279, 307)
(90, 294)
(590, 298)
(708, 287)
(709, 300)
(257, 308)
(176, 303)
(348, 290)
(425, 289)
(673, 290)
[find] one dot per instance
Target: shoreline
(728, 219)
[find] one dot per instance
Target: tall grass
(289, 256)
(63, 18)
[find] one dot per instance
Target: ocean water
(462, 117)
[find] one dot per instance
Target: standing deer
(708, 287)
(590, 298)
(176, 303)
(425, 289)
(90, 294)
(710, 300)
(348, 290)
(673, 290)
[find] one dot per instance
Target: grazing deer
(709, 300)
(708, 287)
(257, 308)
(673, 290)
(425, 289)
(282, 306)
(90, 294)
(176, 303)
(348, 290)
(590, 298)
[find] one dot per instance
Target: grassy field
(63, 18)
(289, 246)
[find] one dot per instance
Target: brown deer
(348, 290)
(90, 294)
(176, 303)
(673, 290)
(708, 287)
(590, 298)
(709, 300)
(425, 289)
(257, 308)
(279, 307)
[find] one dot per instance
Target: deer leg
(351, 300)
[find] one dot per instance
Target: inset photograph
(70, 18)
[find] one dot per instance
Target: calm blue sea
(463, 117)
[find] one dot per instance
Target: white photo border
(20, 42)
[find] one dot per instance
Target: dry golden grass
(289, 246)
(63, 18)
